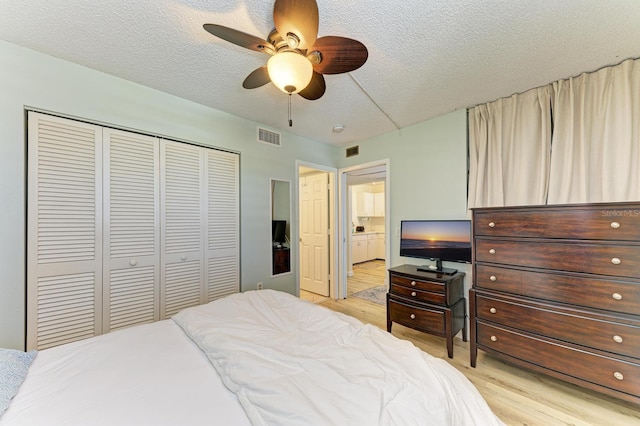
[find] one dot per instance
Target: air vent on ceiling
(268, 136)
(354, 150)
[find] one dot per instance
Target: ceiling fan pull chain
(290, 120)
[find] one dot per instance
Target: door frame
(344, 233)
(332, 221)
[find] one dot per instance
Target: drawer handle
(618, 339)
(493, 310)
(492, 224)
(618, 375)
(492, 278)
(183, 257)
(133, 262)
(617, 296)
(492, 251)
(413, 293)
(412, 316)
(616, 261)
(615, 225)
(494, 339)
(413, 283)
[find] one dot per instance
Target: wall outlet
(259, 286)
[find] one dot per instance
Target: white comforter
(292, 362)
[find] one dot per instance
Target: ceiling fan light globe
(290, 70)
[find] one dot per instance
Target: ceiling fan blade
(299, 17)
(339, 54)
(315, 89)
(257, 78)
(238, 37)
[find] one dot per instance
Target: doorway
(365, 227)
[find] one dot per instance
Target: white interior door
(131, 280)
(64, 232)
(314, 233)
(222, 275)
(182, 207)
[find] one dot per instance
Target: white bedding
(146, 375)
(291, 362)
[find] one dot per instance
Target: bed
(259, 357)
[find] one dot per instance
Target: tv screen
(448, 240)
(278, 231)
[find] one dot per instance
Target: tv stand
(427, 302)
(437, 268)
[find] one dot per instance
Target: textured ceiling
(426, 57)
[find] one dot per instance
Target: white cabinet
(381, 247)
(358, 248)
(372, 246)
(378, 204)
(365, 204)
(369, 204)
(365, 247)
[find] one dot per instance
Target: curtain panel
(596, 138)
(509, 150)
(574, 141)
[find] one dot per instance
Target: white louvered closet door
(183, 218)
(223, 225)
(131, 280)
(64, 255)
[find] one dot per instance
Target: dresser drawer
(603, 259)
(599, 293)
(571, 325)
(593, 222)
(616, 374)
(431, 286)
(419, 295)
(420, 318)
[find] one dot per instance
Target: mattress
(260, 357)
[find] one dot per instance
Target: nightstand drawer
(419, 295)
(420, 318)
(431, 286)
(571, 325)
(620, 223)
(617, 374)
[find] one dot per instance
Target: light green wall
(428, 170)
(428, 173)
(31, 79)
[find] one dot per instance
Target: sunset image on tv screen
(434, 234)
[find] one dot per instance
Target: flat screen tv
(278, 231)
(437, 240)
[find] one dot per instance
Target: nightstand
(426, 301)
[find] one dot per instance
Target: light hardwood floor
(517, 396)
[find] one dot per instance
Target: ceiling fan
(298, 58)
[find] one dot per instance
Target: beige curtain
(509, 149)
(596, 138)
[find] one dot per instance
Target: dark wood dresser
(557, 289)
(427, 301)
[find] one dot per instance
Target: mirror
(280, 227)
